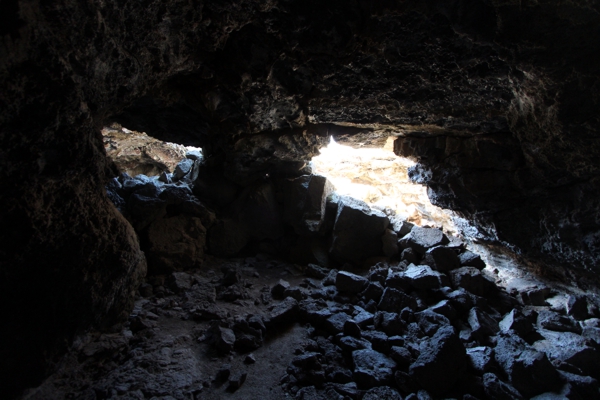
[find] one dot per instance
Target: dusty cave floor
(165, 350)
(233, 330)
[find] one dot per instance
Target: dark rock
(402, 228)
(402, 356)
(460, 300)
(405, 383)
(335, 323)
(390, 243)
(397, 280)
(379, 340)
(516, 322)
(182, 169)
(372, 368)
(373, 291)
(553, 321)
(535, 296)
(470, 259)
(481, 359)
(572, 349)
(382, 393)
(444, 308)
(441, 361)
(308, 360)
(236, 380)
(231, 276)
(250, 359)
(394, 300)
(430, 322)
(441, 258)
(390, 323)
(362, 317)
(224, 338)
(305, 203)
(348, 282)
(410, 256)
(422, 239)
(481, 323)
(330, 278)
(577, 307)
(279, 288)
(145, 290)
(350, 344)
(357, 232)
(529, 371)
(470, 279)
(498, 390)
(315, 312)
(351, 328)
(423, 277)
(294, 292)
(316, 271)
(223, 372)
(592, 333)
(581, 387)
(283, 312)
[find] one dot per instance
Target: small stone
(283, 312)
(351, 328)
(481, 323)
(423, 277)
(183, 168)
(224, 339)
(236, 380)
(223, 372)
(481, 358)
(422, 239)
(316, 271)
(250, 359)
(279, 288)
(335, 323)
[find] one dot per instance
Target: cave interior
(164, 234)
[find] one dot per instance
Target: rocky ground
(433, 325)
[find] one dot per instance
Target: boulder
(305, 203)
(529, 370)
(471, 279)
(279, 288)
(555, 322)
(516, 322)
(357, 232)
(498, 390)
(441, 361)
(470, 259)
(481, 359)
(175, 243)
(283, 312)
(390, 243)
(441, 258)
(182, 169)
(350, 283)
(481, 323)
(423, 277)
(422, 239)
(394, 300)
(572, 349)
(372, 368)
(577, 307)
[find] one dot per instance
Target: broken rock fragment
(350, 283)
(372, 368)
(422, 239)
(357, 232)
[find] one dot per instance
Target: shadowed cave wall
(497, 100)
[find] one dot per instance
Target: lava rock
(410, 256)
(444, 308)
(357, 232)
(577, 307)
(441, 361)
(351, 328)
(372, 368)
(572, 349)
(516, 322)
(236, 380)
(402, 356)
(316, 271)
(283, 312)
(305, 203)
(429, 321)
(394, 300)
(481, 359)
(582, 387)
(183, 168)
(441, 258)
(470, 259)
(350, 283)
(224, 338)
(335, 323)
(553, 321)
(423, 277)
(498, 390)
(373, 291)
(390, 243)
(481, 323)
(422, 239)
(470, 279)
(382, 393)
(529, 370)
(402, 228)
(279, 288)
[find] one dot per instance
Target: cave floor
(195, 335)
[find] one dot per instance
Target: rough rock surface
(496, 100)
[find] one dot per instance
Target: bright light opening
(379, 177)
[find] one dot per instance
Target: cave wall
(497, 100)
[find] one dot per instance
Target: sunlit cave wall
(497, 101)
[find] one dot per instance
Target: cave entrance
(137, 153)
(377, 176)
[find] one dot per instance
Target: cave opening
(234, 269)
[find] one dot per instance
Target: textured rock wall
(514, 80)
